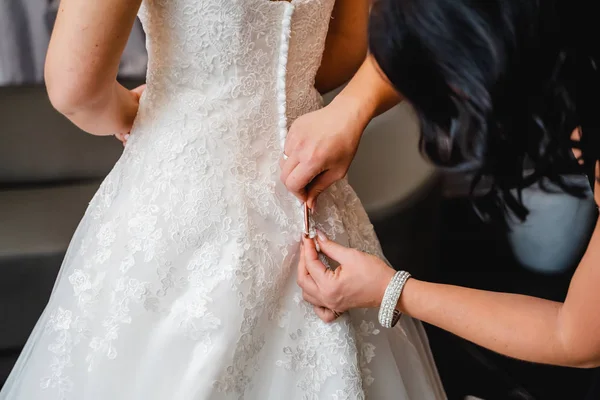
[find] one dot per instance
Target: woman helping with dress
(494, 83)
(180, 281)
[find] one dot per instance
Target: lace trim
(282, 72)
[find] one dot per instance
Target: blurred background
(49, 170)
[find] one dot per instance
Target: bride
(179, 281)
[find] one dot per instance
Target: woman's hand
(358, 282)
(136, 94)
(320, 147)
(522, 327)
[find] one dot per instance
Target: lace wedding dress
(179, 283)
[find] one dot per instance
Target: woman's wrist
(386, 278)
(367, 95)
(355, 109)
(409, 290)
(388, 313)
(370, 91)
(408, 296)
(362, 108)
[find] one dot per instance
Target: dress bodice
(240, 58)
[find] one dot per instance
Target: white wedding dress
(179, 283)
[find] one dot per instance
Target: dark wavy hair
(497, 85)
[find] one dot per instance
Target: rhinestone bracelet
(388, 315)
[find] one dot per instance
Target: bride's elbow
(71, 93)
(63, 100)
(66, 97)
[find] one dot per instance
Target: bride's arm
(83, 61)
(346, 45)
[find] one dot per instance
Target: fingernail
(317, 246)
(321, 236)
(126, 136)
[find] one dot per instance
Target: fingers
(297, 180)
(296, 175)
(310, 290)
(288, 163)
(312, 300)
(325, 314)
(316, 269)
(122, 137)
(302, 262)
(333, 250)
(287, 166)
(303, 166)
(139, 90)
(306, 282)
(309, 248)
(318, 186)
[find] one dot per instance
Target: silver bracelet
(388, 315)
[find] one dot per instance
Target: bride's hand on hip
(320, 147)
(136, 95)
(358, 282)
